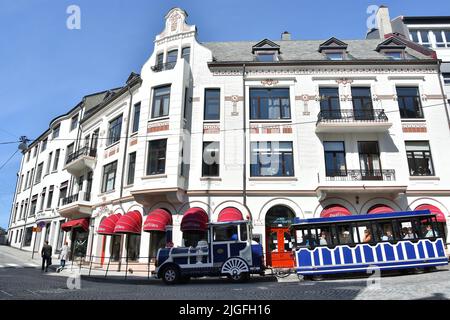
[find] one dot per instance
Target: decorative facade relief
(414, 127)
(157, 127)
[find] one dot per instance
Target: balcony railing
(85, 151)
(164, 66)
(361, 175)
(69, 199)
(350, 115)
(75, 197)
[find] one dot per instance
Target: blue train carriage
(228, 250)
(363, 243)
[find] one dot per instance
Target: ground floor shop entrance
(278, 238)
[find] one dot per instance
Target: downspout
(244, 128)
(29, 198)
(125, 148)
(19, 174)
(443, 92)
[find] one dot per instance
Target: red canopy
(439, 214)
(380, 208)
(335, 210)
(230, 214)
(130, 222)
(194, 219)
(157, 220)
(77, 223)
(108, 224)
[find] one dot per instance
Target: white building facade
(269, 130)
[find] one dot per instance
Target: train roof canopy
(363, 217)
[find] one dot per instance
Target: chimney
(285, 36)
(383, 21)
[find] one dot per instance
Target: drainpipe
(125, 148)
(443, 92)
(244, 121)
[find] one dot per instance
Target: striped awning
(194, 219)
(77, 223)
(130, 222)
(108, 224)
(158, 220)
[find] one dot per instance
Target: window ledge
(106, 193)
(210, 179)
(272, 179)
(154, 176)
(128, 186)
(413, 120)
(211, 121)
(422, 178)
(112, 145)
(159, 119)
(271, 121)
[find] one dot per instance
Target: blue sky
(45, 68)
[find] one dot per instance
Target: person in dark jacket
(46, 254)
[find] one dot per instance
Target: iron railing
(69, 199)
(84, 151)
(164, 66)
(360, 175)
(349, 115)
(74, 198)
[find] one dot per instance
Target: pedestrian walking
(63, 256)
(46, 254)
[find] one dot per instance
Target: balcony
(358, 181)
(75, 206)
(349, 120)
(80, 160)
(164, 66)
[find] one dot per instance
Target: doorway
(278, 238)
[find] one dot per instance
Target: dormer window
(266, 56)
(394, 55)
(266, 51)
(336, 55)
(393, 48)
(334, 49)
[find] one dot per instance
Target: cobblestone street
(20, 280)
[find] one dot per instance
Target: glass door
(362, 104)
(369, 159)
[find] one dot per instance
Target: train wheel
(239, 278)
(236, 269)
(171, 274)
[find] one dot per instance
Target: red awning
(380, 208)
(130, 222)
(230, 214)
(77, 223)
(157, 220)
(108, 224)
(439, 214)
(194, 219)
(335, 210)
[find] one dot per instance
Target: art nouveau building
(262, 130)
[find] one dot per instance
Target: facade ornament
(269, 82)
(174, 21)
(344, 81)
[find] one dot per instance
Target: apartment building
(263, 130)
(431, 32)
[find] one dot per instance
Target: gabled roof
(306, 50)
(265, 44)
(391, 43)
(333, 43)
